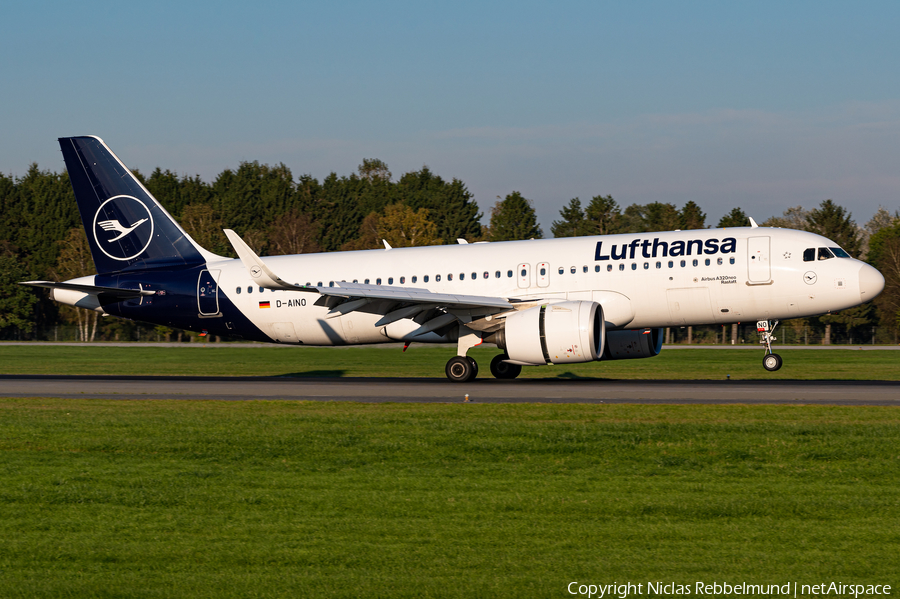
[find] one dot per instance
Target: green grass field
(424, 361)
(295, 499)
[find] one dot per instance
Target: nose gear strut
(766, 328)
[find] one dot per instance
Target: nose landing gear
(766, 328)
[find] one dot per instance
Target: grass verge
(270, 499)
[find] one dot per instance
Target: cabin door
(208, 292)
(758, 266)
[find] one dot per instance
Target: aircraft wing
(413, 294)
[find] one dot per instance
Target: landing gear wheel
(503, 370)
(474, 366)
(772, 362)
(460, 369)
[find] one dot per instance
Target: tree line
(41, 236)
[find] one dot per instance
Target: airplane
(548, 301)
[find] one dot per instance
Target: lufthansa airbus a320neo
(540, 302)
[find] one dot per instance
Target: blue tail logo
(113, 213)
(127, 229)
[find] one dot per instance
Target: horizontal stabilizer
(109, 293)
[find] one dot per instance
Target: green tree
(793, 218)
(16, 302)
(514, 218)
(735, 218)
(603, 215)
(834, 222)
(450, 205)
(691, 217)
(401, 226)
(573, 223)
(75, 261)
(884, 254)
(294, 233)
(204, 226)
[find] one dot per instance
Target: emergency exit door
(208, 292)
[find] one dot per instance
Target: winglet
(255, 266)
(387, 246)
(753, 223)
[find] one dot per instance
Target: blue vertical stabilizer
(126, 227)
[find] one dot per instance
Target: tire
(474, 366)
(459, 369)
(502, 370)
(772, 362)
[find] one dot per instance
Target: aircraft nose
(871, 283)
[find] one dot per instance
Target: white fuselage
(762, 275)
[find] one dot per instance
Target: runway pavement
(870, 393)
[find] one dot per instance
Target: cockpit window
(809, 255)
(825, 254)
(840, 253)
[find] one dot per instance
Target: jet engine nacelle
(627, 345)
(555, 333)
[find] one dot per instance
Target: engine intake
(565, 332)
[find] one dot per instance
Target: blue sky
(763, 105)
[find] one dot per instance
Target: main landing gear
(461, 369)
(766, 328)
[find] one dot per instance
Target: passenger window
(402, 280)
(707, 261)
(497, 275)
(486, 275)
(425, 278)
(659, 265)
(509, 274)
(719, 261)
(331, 283)
(390, 280)
(609, 268)
(731, 260)
(695, 262)
(634, 266)
(449, 277)
(367, 281)
(562, 270)
(621, 267)
(524, 273)
(437, 278)
(596, 268)
(683, 264)
(474, 276)
(809, 254)
(572, 270)
(584, 269)
(671, 264)
(238, 290)
(646, 265)
(825, 254)
(356, 280)
(543, 272)
(261, 289)
(378, 281)
(415, 278)
(319, 284)
(250, 289)
(462, 276)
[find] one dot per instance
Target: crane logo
(121, 227)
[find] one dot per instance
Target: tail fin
(127, 229)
